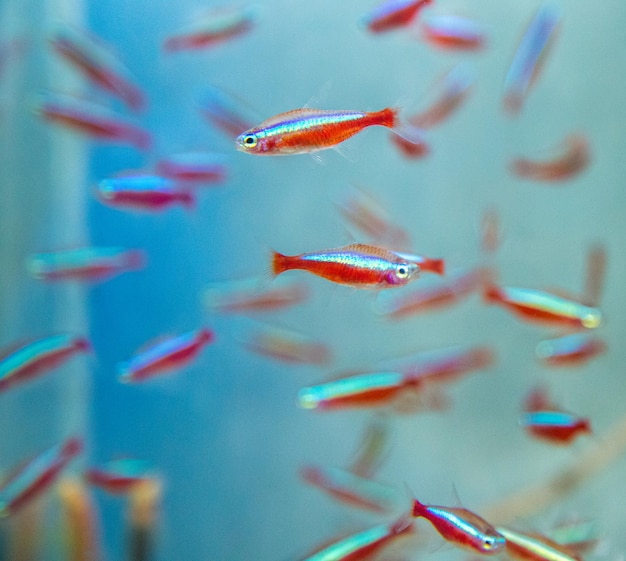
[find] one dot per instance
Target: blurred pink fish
(86, 264)
(25, 361)
(36, 476)
(530, 56)
(454, 89)
(142, 191)
(287, 346)
(569, 350)
(96, 61)
(194, 167)
(453, 33)
(91, 119)
(573, 160)
(119, 476)
(212, 28)
(165, 354)
(392, 14)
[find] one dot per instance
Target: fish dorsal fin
(320, 96)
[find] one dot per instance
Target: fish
(491, 231)
(569, 350)
(356, 265)
(287, 346)
(413, 149)
(302, 131)
(194, 167)
(461, 527)
(364, 545)
(142, 191)
(392, 14)
(247, 296)
(557, 427)
(365, 213)
(544, 307)
(166, 354)
(91, 119)
(97, 62)
(352, 489)
(573, 160)
(454, 89)
(36, 476)
(119, 476)
(213, 27)
(84, 264)
(368, 389)
(453, 32)
(535, 547)
(224, 111)
(427, 299)
(26, 361)
(530, 56)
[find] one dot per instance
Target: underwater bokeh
(225, 432)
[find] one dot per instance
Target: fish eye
(249, 141)
(488, 542)
(402, 271)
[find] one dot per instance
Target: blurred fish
(557, 427)
(530, 56)
(119, 476)
(165, 354)
(539, 400)
(535, 547)
(544, 307)
(462, 527)
(287, 346)
(194, 167)
(447, 365)
(594, 274)
(576, 534)
(81, 521)
(307, 130)
(454, 89)
(569, 350)
(370, 389)
(212, 28)
(352, 489)
(85, 264)
(366, 545)
(413, 149)
(224, 111)
(357, 265)
(36, 476)
(392, 14)
(453, 32)
(426, 299)
(247, 296)
(97, 62)
(373, 448)
(142, 191)
(26, 361)
(437, 266)
(91, 119)
(573, 160)
(366, 214)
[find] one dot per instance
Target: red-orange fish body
(357, 265)
(306, 130)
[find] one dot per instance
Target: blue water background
(226, 433)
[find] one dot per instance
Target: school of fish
(410, 268)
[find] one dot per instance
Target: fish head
(253, 141)
(401, 272)
(490, 542)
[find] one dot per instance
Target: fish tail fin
(206, 336)
(188, 200)
(72, 447)
(135, 259)
(438, 266)
(408, 136)
(279, 263)
(82, 344)
(491, 293)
